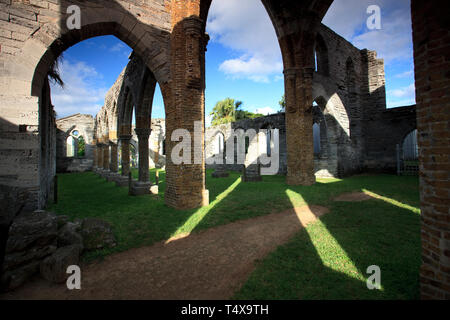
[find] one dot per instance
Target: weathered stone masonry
(168, 35)
(85, 125)
(357, 132)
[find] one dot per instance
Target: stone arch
(268, 126)
(126, 108)
(25, 71)
(48, 42)
(138, 84)
(337, 150)
(134, 153)
(320, 140)
(218, 143)
(145, 99)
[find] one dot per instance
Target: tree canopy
(81, 146)
(229, 110)
(282, 104)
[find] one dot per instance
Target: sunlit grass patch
(328, 260)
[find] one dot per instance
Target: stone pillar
(143, 135)
(100, 156)
(114, 166)
(143, 185)
(94, 157)
(125, 154)
(251, 168)
(186, 187)
(299, 122)
(106, 157)
(432, 74)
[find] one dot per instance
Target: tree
(282, 104)
(54, 74)
(229, 110)
(81, 147)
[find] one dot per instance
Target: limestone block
(34, 228)
(69, 235)
(54, 267)
(97, 234)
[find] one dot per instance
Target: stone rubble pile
(43, 242)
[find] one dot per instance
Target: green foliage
(81, 147)
(54, 74)
(228, 110)
(282, 104)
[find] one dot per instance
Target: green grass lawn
(327, 260)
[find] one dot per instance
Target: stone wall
(275, 121)
(32, 36)
(85, 126)
(157, 157)
(349, 90)
(384, 131)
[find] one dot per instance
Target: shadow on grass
(328, 260)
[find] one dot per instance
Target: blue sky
(243, 60)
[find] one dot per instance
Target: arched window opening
(134, 156)
(247, 144)
(219, 144)
(321, 56)
(269, 142)
(70, 147)
(315, 61)
(410, 147)
(316, 138)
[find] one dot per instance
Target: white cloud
(265, 110)
(117, 47)
(405, 74)
(404, 92)
(346, 16)
(81, 93)
(254, 68)
(245, 27)
(121, 48)
(392, 43)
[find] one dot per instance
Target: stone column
(432, 74)
(143, 185)
(100, 156)
(125, 154)
(186, 187)
(94, 158)
(114, 166)
(106, 157)
(143, 135)
(299, 122)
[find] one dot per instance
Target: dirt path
(211, 264)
